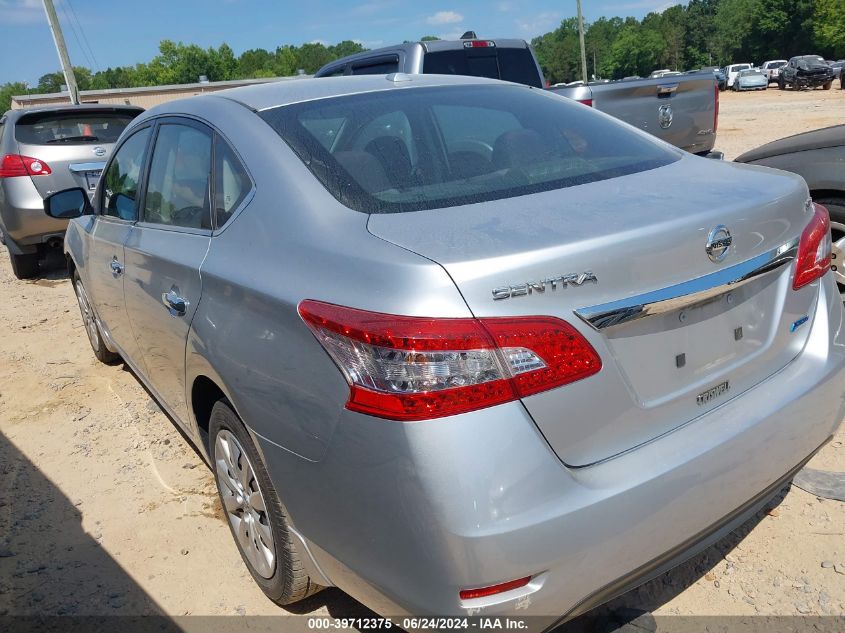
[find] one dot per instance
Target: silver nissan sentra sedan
(459, 346)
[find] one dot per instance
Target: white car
(772, 68)
(732, 71)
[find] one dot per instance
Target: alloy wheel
(87, 314)
(244, 503)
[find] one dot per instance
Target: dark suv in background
(45, 150)
(806, 71)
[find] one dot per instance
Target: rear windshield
(71, 128)
(510, 64)
(423, 148)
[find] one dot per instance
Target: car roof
(13, 115)
(273, 94)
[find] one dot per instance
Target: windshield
(423, 148)
(69, 128)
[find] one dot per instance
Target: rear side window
(377, 67)
(120, 182)
(509, 64)
(231, 182)
(425, 148)
(178, 191)
(71, 128)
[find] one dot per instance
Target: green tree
(829, 27)
(9, 90)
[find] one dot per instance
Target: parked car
(805, 71)
(650, 104)
(772, 68)
(665, 72)
(733, 70)
(817, 157)
(836, 67)
(721, 78)
(44, 150)
(751, 79)
(458, 345)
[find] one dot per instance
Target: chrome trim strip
(688, 293)
(77, 167)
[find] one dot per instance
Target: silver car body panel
(483, 497)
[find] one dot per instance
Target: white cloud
(505, 6)
(22, 12)
(657, 6)
(539, 23)
(444, 17)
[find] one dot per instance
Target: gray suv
(456, 345)
(45, 150)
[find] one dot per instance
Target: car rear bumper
(404, 516)
(22, 219)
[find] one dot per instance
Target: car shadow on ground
(55, 574)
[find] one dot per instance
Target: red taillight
(492, 590)
(14, 165)
(716, 108)
(411, 368)
(586, 102)
(814, 249)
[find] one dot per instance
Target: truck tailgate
(680, 110)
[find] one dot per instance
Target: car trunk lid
(624, 261)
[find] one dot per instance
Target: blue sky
(123, 33)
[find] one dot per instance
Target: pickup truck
(682, 110)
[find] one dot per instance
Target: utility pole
(61, 48)
(581, 37)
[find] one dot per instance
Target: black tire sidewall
(24, 266)
(277, 588)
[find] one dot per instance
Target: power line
(84, 36)
(75, 35)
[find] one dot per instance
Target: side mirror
(67, 204)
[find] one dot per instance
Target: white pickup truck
(680, 109)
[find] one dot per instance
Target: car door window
(178, 192)
(231, 182)
(120, 182)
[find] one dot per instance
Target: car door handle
(116, 267)
(176, 305)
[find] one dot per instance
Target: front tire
(256, 517)
(836, 208)
(828, 85)
(92, 328)
(24, 266)
(781, 84)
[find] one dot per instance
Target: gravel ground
(105, 509)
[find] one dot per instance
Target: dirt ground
(106, 510)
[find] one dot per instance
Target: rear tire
(258, 515)
(836, 208)
(24, 266)
(92, 328)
